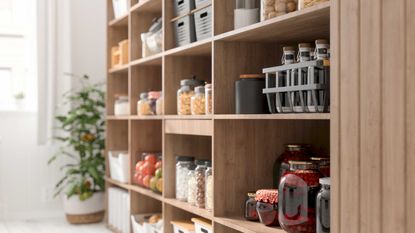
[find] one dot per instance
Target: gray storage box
(203, 23)
(184, 30)
(182, 7)
(200, 3)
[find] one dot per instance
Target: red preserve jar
(323, 165)
(297, 197)
(267, 206)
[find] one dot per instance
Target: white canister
(244, 17)
(322, 49)
(288, 56)
(121, 105)
(304, 52)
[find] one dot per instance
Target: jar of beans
(250, 207)
(297, 197)
(208, 100)
(183, 165)
(197, 104)
(201, 184)
(209, 186)
(191, 187)
(274, 8)
(308, 3)
(184, 95)
(323, 165)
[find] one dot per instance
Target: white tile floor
(58, 225)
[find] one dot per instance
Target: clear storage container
(183, 165)
(209, 186)
(153, 96)
(197, 103)
(323, 206)
(143, 105)
(160, 105)
(323, 165)
(184, 95)
(191, 187)
(305, 52)
(208, 98)
(121, 105)
(201, 183)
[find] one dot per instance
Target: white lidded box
(118, 165)
(202, 225)
(120, 8)
(183, 227)
(140, 225)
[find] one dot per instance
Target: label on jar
(304, 55)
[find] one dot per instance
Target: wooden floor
(57, 225)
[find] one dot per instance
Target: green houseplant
(82, 134)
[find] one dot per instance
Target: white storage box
(202, 225)
(120, 8)
(203, 22)
(118, 161)
(184, 30)
(118, 209)
(183, 227)
(140, 225)
(201, 3)
(182, 7)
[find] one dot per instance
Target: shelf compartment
(143, 204)
(117, 136)
(119, 22)
(118, 184)
(294, 116)
(116, 84)
(146, 192)
(189, 127)
(199, 48)
(189, 208)
(146, 118)
(147, 6)
(242, 225)
(119, 69)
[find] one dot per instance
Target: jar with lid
(191, 186)
(288, 56)
(323, 206)
(208, 100)
(183, 166)
(201, 184)
(184, 95)
(323, 165)
(273, 8)
(248, 94)
(297, 197)
(197, 103)
(209, 186)
(322, 49)
(267, 206)
(305, 52)
(121, 105)
(143, 105)
(250, 207)
(153, 96)
(308, 3)
(160, 105)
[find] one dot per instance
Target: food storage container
(202, 225)
(143, 105)
(245, 13)
(182, 7)
(307, 3)
(184, 95)
(202, 3)
(288, 56)
(250, 208)
(152, 41)
(248, 94)
(203, 22)
(183, 165)
(191, 187)
(297, 197)
(160, 105)
(118, 161)
(323, 165)
(146, 223)
(121, 105)
(274, 8)
(322, 49)
(209, 186)
(201, 184)
(184, 30)
(197, 103)
(267, 206)
(323, 206)
(304, 52)
(120, 8)
(153, 96)
(208, 99)
(183, 227)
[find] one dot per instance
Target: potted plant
(82, 135)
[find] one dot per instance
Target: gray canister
(248, 94)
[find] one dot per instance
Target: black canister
(248, 94)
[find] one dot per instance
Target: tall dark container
(248, 94)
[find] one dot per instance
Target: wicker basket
(85, 218)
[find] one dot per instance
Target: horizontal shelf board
(117, 183)
(189, 117)
(198, 48)
(305, 25)
(148, 6)
(189, 127)
(119, 22)
(118, 117)
(120, 69)
(282, 116)
(242, 225)
(154, 60)
(146, 117)
(146, 192)
(189, 208)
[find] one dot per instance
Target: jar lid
(208, 163)
(322, 41)
(304, 45)
(191, 82)
(200, 89)
(201, 162)
(267, 196)
(246, 76)
(185, 159)
(325, 181)
(143, 95)
(154, 94)
(288, 48)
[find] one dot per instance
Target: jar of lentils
(184, 95)
(201, 183)
(183, 165)
(191, 187)
(209, 186)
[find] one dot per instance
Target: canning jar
(307, 3)
(191, 187)
(201, 185)
(143, 105)
(153, 96)
(209, 186)
(322, 49)
(274, 8)
(267, 206)
(184, 95)
(288, 56)
(297, 197)
(160, 105)
(250, 207)
(121, 105)
(323, 165)
(323, 206)
(305, 52)
(183, 165)
(208, 100)
(197, 103)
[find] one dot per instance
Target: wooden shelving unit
(242, 147)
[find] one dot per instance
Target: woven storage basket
(85, 218)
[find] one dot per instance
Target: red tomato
(140, 179)
(136, 175)
(146, 180)
(147, 169)
(151, 158)
(158, 164)
(138, 165)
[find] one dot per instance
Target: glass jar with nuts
(184, 95)
(197, 104)
(201, 183)
(274, 8)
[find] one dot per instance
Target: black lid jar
(248, 94)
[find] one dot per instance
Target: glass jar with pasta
(184, 95)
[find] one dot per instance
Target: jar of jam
(295, 152)
(323, 165)
(323, 206)
(297, 197)
(267, 206)
(250, 207)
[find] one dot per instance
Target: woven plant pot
(85, 212)
(85, 218)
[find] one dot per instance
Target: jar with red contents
(297, 197)
(250, 207)
(323, 165)
(294, 152)
(267, 206)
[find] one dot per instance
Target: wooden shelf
(189, 208)
(119, 22)
(199, 48)
(154, 60)
(147, 6)
(121, 69)
(242, 225)
(146, 117)
(146, 192)
(285, 116)
(118, 117)
(117, 183)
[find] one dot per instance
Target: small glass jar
(323, 206)
(191, 187)
(143, 105)
(208, 100)
(201, 184)
(274, 8)
(121, 105)
(297, 197)
(184, 95)
(288, 56)
(267, 206)
(322, 49)
(250, 207)
(153, 96)
(183, 165)
(209, 186)
(197, 104)
(160, 105)
(305, 52)
(323, 165)
(308, 3)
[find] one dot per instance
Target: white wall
(26, 182)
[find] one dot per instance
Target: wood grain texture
(189, 127)
(143, 79)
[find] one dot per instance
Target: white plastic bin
(140, 225)
(183, 227)
(184, 29)
(202, 225)
(118, 161)
(200, 3)
(182, 7)
(203, 23)
(120, 8)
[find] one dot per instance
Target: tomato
(146, 180)
(151, 158)
(158, 164)
(138, 165)
(147, 168)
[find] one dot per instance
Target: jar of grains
(191, 187)
(201, 184)
(274, 8)
(143, 105)
(209, 186)
(307, 3)
(197, 104)
(208, 100)
(183, 165)
(184, 95)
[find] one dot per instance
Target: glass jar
(297, 197)
(191, 187)
(183, 165)
(121, 105)
(323, 206)
(288, 56)
(153, 96)
(201, 184)
(184, 95)
(307, 3)
(274, 8)
(208, 100)
(305, 52)
(143, 105)
(323, 165)
(250, 207)
(160, 105)
(322, 49)
(267, 206)
(197, 103)
(209, 186)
